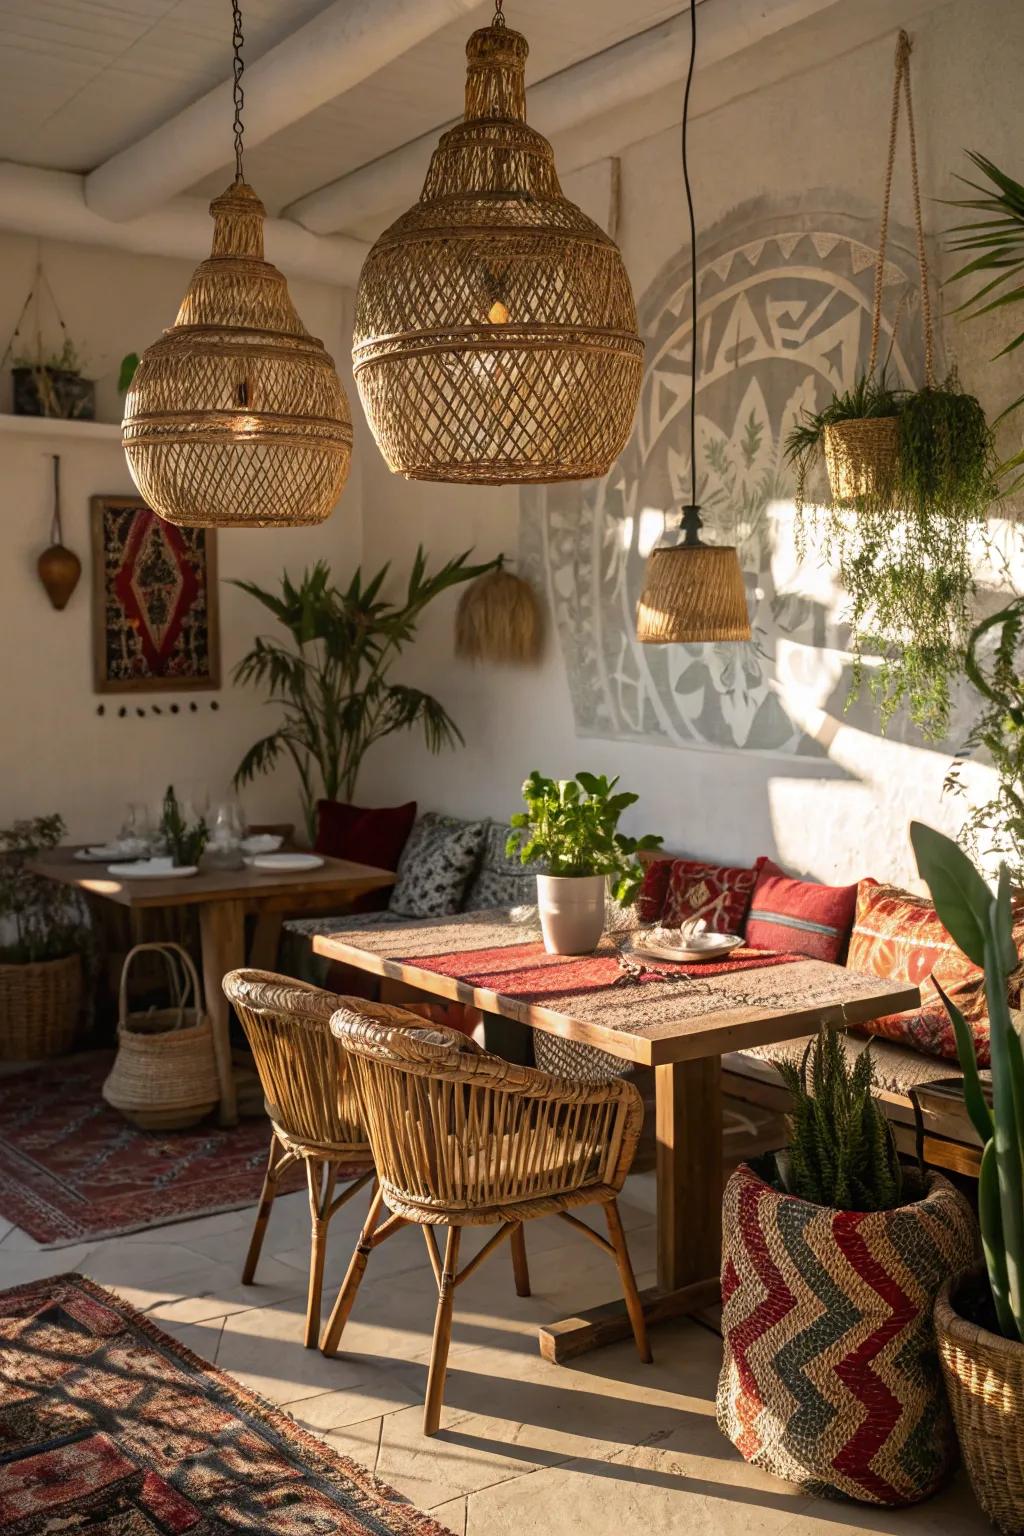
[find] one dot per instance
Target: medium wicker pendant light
(693, 591)
(495, 333)
(236, 416)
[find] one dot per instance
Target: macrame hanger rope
(238, 68)
(901, 83)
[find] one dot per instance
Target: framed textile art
(154, 606)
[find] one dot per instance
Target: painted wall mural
(785, 319)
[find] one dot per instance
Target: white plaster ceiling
(83, 79)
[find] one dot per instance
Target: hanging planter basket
(862, 458)
(164, 1076)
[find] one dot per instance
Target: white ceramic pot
(571, 912)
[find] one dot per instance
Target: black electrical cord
(693, 257)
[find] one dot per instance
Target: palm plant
(330, 679)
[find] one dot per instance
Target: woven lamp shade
(236, 416)
(499, 620)
(495, 333)
(692, 593)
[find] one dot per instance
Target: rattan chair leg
(634, 1306)
(520, 1267)
(442, 1334)
(267, 1194)
(321, 1179)
(353, 1277)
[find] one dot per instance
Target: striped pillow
(799, 917)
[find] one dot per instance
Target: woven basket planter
(40, 1006)
(830, 1377)
(164, 1076)
(985, 1380)
(861, 458)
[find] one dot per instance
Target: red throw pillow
(899, 936)
(798, 917)
(650, 901)
(713, 892)
(367, 836)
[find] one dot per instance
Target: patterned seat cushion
(798, 917)
(436, 866)
(310, 927)
(500, 881)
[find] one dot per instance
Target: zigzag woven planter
(831, 1375)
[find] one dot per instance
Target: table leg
(222, 934)
(688, 1124)
(266, 940)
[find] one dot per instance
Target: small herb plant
(982, 925)
(40, 919)
(186, 841)
(842, 1153)
(569, 825)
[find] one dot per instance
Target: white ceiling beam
(345, 44)
(630, 70)
(52, 204)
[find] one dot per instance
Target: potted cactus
(979, 1316)
(832, 1256)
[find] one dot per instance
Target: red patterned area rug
(110, 1428)
(72, 1169)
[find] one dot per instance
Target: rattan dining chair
(462, 1138)
(311, 1105)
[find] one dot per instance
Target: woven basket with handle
(40, 1005)
(984, 1376)
(164, 1076)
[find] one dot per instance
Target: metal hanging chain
(499, 19)
(693, 257)
(238, 68)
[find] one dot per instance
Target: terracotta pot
(59, 569)
(985, 1381)
(571, 912)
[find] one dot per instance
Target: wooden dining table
(679, 1020)
(224, 898)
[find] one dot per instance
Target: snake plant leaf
(961, 897)
(991, 1222)
(974, 1097)
(1006, 1138)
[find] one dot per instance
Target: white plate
(703, 946)
(261, 843)
(100, 853)
(288, 863)
(152, 869)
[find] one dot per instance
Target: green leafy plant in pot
(43, 935)
(571, 826)
(979, 1317)
(826, 1229)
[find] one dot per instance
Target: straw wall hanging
(495, 333)
(236, 415)
(499, 620)
(692, 591)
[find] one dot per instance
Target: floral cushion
(500, 881)
(714, 892)
(436, 866)
(899, 936)
(799, 917)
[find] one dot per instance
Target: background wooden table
(224, 898)
(680, 1027)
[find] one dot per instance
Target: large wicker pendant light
(495, 333)
(236, 416)
(692, 591)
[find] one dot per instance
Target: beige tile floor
(604, 1445)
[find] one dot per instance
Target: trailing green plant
(982, 925)
(330, 679)
(905, 559)
(40, 919)
(997, 826)
(127, 371)
(186, 840)
(868, 399)
(570, 825)
(841, 1152)
(996, 243)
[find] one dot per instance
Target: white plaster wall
(55, 752)
(824, 126)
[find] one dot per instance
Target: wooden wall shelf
(57, 427)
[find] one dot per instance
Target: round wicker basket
(40, 1006)
(861, 458)
(985, 1382)
(164, 1076)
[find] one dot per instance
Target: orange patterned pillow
(899, 936)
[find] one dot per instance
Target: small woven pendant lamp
(693, 591)
(495, 333)
(236, 416)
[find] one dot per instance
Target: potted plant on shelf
(332, 684)
(53, 386)
(570, 825)
(832, 1256)
(42, 938)
(979, 1315)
